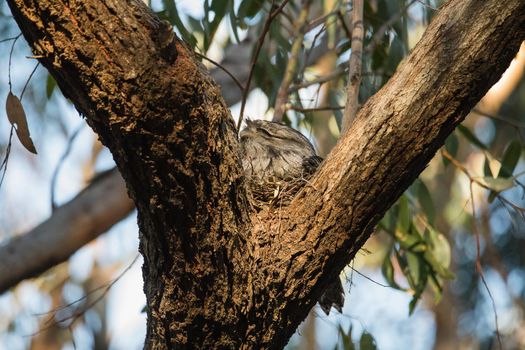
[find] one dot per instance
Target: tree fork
(214, 277)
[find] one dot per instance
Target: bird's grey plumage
(273, 154)
(273, 151)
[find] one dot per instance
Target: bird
(272, 151)
(274, 154)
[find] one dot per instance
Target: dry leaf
(26, 141)
(17, 117)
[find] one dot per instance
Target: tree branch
(291, 66)
(94, 210)
(354, 75)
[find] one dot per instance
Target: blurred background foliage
(445, 269)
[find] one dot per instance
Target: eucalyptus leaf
(451, 146)
(367, 342)
(498, 185)
(50, 86)
(403, 219)
(510, 158)
(492, 163)
(17, 117)
(471, 137)
(346, 338)
(388, 272)
(425, 200)
(440, 247)
(414, 269)
(440, 269)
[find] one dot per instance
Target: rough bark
(214, 277)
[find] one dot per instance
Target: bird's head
(274, 134)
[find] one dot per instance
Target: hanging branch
(354, 77)
(291, 66)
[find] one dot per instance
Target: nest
(274, 193)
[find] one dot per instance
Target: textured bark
(214, 277)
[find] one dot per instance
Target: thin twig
(321, 19)
(9, 39)
(460, 166)
(378, 35)
(347, 30)
(320, 80)
(28, 80)
(68, 149)
(260, 43)
(369, 278)
(343, 68)
(10, 57)
(218, 65)
(311, 49)
(6, 157)
(82, 309)
(354, 75)
(314, 109)
(291, 66)
(428, 5)
(479, 268)
(500, 118)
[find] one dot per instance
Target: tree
(217, 274)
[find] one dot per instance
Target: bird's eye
(265, 132)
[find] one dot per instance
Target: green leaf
(413, 272)
(276, 34)
(425, 200)
(171, 14)
(50, 86)
(219, 8)
(492, 164)
(387, 223)
(451, 145)
(435, 285)
(440, 247)
(403, 219)
(346, 338)
(409, 241)
(510, 159)
(388, 272)
(367, 342)
(412, 305)
(249, 8)
(234, 21)
(395, 55)
(471, 137)
(441, 270)
(498, 185)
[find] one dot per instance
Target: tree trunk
(215, 274)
